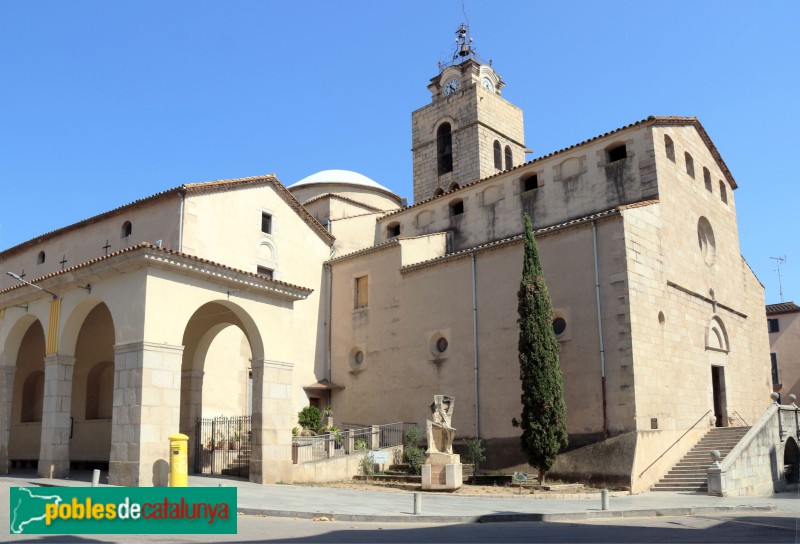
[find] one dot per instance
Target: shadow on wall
(160, 473)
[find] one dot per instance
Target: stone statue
(440, 431)
(442, 469)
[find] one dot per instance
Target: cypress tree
(544, 413)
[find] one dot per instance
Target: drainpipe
(180, 224)
(475, 350)
(329, 313)
(600, 329)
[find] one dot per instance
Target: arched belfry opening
(93, 391)
(27, 399)
(216, 389)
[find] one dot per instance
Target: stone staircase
(689, 475)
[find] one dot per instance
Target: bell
(464, 50)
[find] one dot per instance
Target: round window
(358, 358)
(441, 345)
(559, 325)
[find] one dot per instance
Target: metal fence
(306, 449)
(223, 446)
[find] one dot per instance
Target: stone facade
(477, 116)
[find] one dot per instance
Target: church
(248, 297)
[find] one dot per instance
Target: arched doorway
(28, 400)
(216, 389)
(791, 461)
(92, 391)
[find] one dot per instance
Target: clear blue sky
(107, 102)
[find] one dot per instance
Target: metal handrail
(737, 414)
(678, 440)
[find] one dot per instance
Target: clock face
(488, 85)
(450, 87)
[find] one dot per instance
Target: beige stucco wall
(786, 345)
(151, 221)
(226, 228)
(409, 310)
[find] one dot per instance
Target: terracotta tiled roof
(371, 249)
(164, 251)
(652, 120)
(343, 199)
(189, 189)
(782, 308)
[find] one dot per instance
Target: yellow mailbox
(178, 460)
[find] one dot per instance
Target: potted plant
(328, 411)
(222, 444)
(235, 442)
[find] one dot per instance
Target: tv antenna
(779, 261)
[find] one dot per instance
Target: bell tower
(468, 131)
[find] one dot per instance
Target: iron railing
(306, 449)
(223, 446)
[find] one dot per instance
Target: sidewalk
(377, 506)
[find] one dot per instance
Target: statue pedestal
(442, 472)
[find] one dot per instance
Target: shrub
(475, 451)
(359, 444)
(309, 418)
(367, 465)
(415, 457)
(414, 437)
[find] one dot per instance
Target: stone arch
(71, 327)
(93, 389)
(220, 339)
(27, 386)
(791, 461)
(717, 335)
(13, 341)
(267, 251)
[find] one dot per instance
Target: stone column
(147, 395)
(6, 405)
(56, 412)
(271, 460)
(191, 408)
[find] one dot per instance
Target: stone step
(690, 473)
(700, 479)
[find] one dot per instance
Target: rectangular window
(264, 271)
(775, 378)
(266, 223)
(362, 298)
(772, 325)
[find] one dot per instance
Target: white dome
(339, 176)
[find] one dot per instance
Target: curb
(507, 518)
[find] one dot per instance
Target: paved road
(767, 528)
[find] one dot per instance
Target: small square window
(530, 183)
(617, 153)
(264, 271)
(773, 325)
(266, 223)
(362, 295)
(457, 208)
